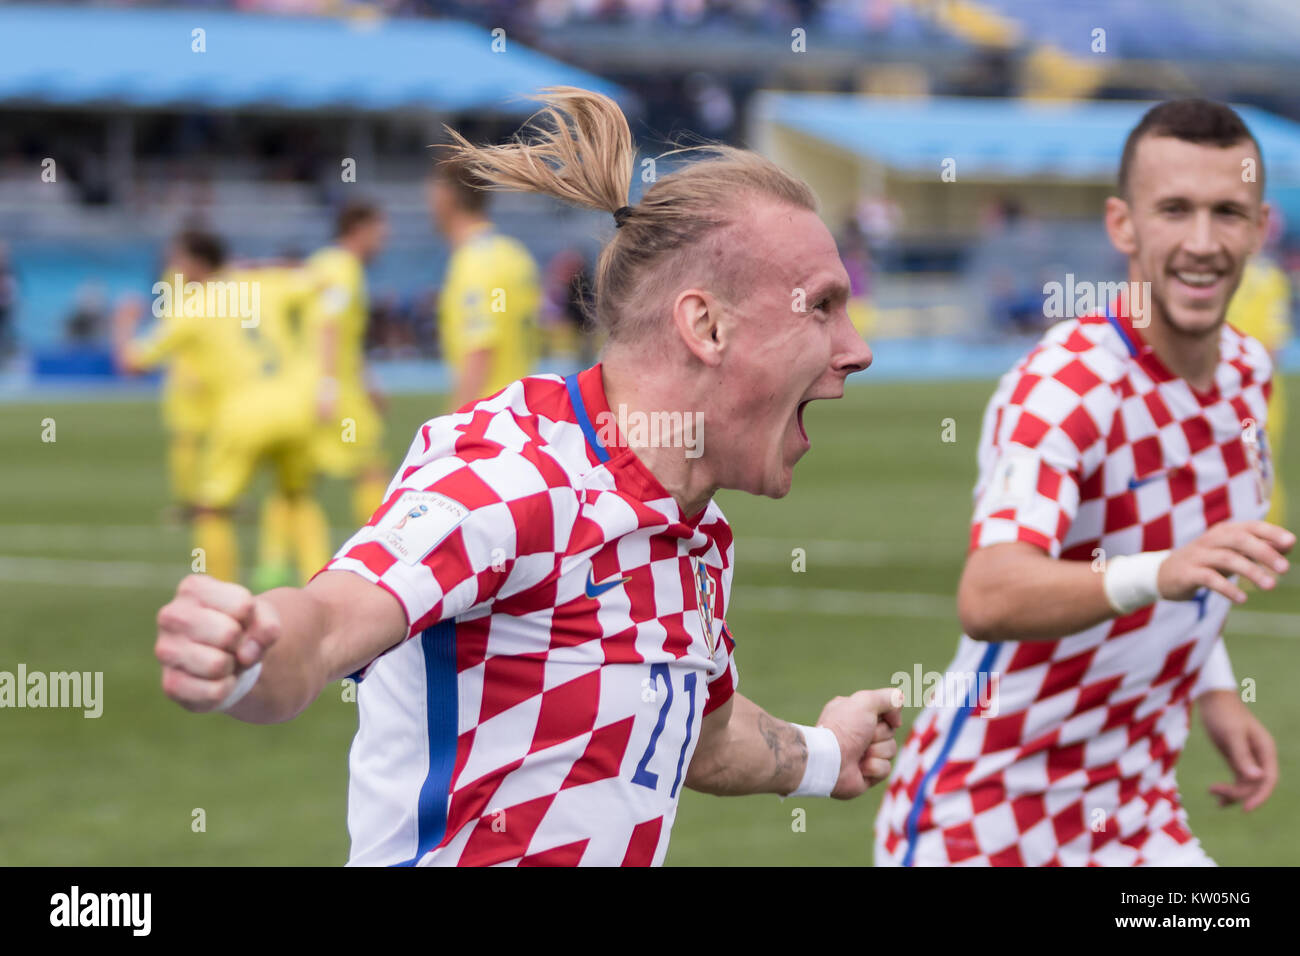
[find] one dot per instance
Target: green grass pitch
(880, 507)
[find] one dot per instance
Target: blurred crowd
(406, 327)
(866, 15)
(400, 326)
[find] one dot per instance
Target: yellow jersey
(338, 280)
(284, 297)
(203, 326)
(489, 300)
(186, 401)
(1261, 306)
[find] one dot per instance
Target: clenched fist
(864, 724)
(208, 635)
(1252, 549)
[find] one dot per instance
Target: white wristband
(1130, 580)
(242, 687)
(823, 767)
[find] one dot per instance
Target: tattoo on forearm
(789, 750)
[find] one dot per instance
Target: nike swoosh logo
(596, 590)
(1135, 483)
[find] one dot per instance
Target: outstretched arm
(212, 632)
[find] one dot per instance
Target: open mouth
(799, 418)
(1197, 283)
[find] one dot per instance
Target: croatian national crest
(705, 596)
(1258, 457)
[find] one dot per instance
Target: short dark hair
(469, 189)
(1193, 121)
(354, 213)
(207, 247)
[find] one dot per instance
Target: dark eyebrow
(832, 287)
(1233, 205)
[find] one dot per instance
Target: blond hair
(579, 149)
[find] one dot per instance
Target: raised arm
(212, 632)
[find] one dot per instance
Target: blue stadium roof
(995, 139)
(1251, 31)
(143, 58)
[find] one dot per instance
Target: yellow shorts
(354, 440)
(187, 405)
(184, 454)
(261, 425)
(1276, 430)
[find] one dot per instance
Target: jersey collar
(592, 413)
(1146, 356)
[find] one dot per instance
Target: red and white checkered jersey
(1062, 752)
(566, 640)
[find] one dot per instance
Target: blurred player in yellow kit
(349, 435)
(491, 294)
(1261, 308)
(259, 381)
(294, 532)
(186, 399)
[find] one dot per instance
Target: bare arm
(743, 749)
(125, 322)
(327, 389)
(1246, 746)
(1017, 592)
(304, 637)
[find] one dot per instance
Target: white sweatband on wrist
(823, 767)
(1130, 580)
(242, 687)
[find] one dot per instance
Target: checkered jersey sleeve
(464, 523)
(724, 679)
(1044, 432)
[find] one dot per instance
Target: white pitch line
(848, 603)
(773, 550)
(76, 573)
(864, 604)
(37, 537)
(941, 607)
(867, 554)
(758, 551)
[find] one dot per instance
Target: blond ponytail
(579, 149)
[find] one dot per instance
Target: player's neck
(351, 247)
(462, 229)
(1194, 358)
(673, 455)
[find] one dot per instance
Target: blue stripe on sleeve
(439, 646)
